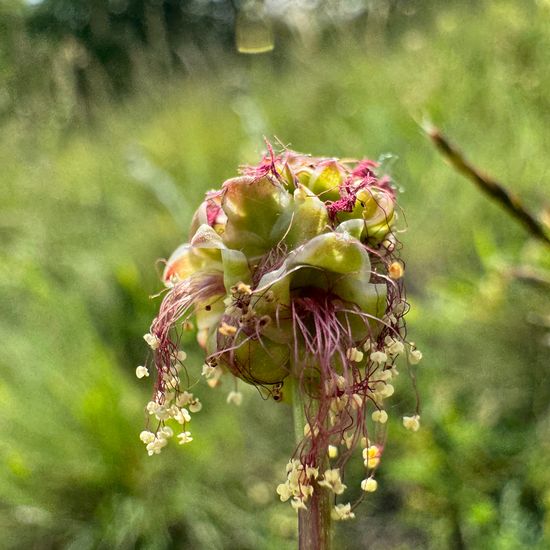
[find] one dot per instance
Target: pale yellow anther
(312, 472)
(214, 379)
(380, 416)
(393, 347)
(332, 451)
(415, 356)
(166, 432)
(342, 512)
(181, 416)
(147, 437)
(172, 382)
(396, 270)
(390, 319)
(369, 485)
(184, 398)
(356, 401)
(142, 372)
(385, 375)
(338, 404)
(195, 406)
(235, 397)
(355, 355)
(152, 340)
(412, 423)
(152, 407)
(307, 491)
(162, 412)
(341, 382)
(384, 390)
(298, 504)
(292, 465)
(284, 492)
(331, 480)
(330, 386)
(185, 437)
(371, 455)
(187, 326)
(307, 430)
(378, 357)
(389, 244)
(155, 446)
(244, 288)
(227, 330)
(169, 396)
(208, 371)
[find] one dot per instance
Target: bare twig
(492, 188)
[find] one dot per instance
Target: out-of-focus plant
(535, 260)
(293, 279)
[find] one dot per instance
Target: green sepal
(305, 218)
(258, 361)
(326, 180)
(369, 298)
(355, 228)
(376, 213)
(253, 207)
(209, 313)
(235, 268)
(289, 179)
(313, 263)
(334, 252)
(188, 260)
(280, 328)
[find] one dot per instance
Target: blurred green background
(117, 115)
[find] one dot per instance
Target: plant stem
(314, 524)
(492, 188)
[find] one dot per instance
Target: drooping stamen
(178, 305)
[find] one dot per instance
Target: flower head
(292, 277)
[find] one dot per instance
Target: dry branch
(492, 188)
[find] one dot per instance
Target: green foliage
(86, 212)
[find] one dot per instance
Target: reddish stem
(314, 524)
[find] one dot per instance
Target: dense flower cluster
(292, 277)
